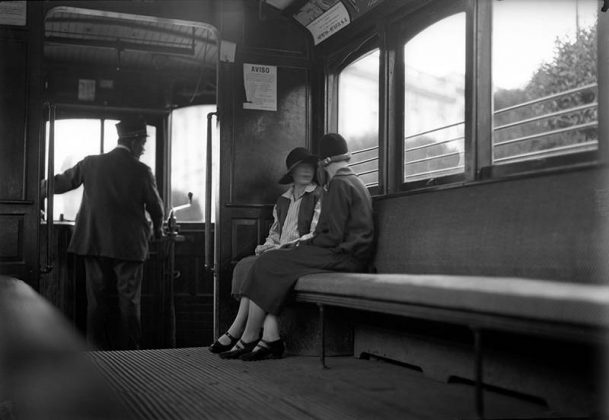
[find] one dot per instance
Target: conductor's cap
(131, 127)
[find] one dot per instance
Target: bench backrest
(545, 227)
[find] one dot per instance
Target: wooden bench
(575, 312)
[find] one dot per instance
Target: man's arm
(67, 181)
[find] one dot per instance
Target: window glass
(111, 141)
(544, 78)
(358, 115)
(74, 140)
(188, 157)
(434, 100)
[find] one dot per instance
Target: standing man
(112, 231)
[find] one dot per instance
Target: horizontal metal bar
(372, 184)
(424, 146)
(367, 172)
(120, 45)
(434, 171)
(433, 130)
(547, 133)
(364, 161)
(409, 162)
(545, 116)
(545, 98)
(577, 147)
(369, 149)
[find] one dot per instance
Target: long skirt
(273, 275)
(240, 273)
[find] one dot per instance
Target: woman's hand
(289, 245)
(261, 249)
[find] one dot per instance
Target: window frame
(401, 32)
(390, 36)
(487, 169)
(152, 118)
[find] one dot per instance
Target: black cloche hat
(296, 157)
(333, 148)
(131, 127)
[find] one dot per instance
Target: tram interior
(476, 126)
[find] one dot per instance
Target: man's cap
(296, 157)
(131, 127)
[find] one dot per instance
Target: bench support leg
(478, 373)
(322, 353)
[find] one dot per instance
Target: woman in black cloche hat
(295, 217)
(342, 241)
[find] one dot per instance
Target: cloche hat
(333, 148)
(296, 157)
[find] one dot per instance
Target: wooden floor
(195, 384)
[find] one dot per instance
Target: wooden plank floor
(195, 384)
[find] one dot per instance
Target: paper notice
(260, 83)
(329, 23)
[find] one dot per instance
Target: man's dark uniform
(112, 233)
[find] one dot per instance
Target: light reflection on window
(434, 100)
(358, 114)
(188, 157)
(74, 140)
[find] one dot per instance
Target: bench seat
(543, 307)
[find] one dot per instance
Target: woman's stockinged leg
(271, 328)
(255, 318)
(236, 328)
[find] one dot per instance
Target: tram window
(358, 115)
(434, 101)
(544, 79)
(188, 157)
(74, 140)
(77, 138)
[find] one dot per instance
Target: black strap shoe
(242, 348)
(218, 347)
(266, 350)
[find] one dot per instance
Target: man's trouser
(105, 276)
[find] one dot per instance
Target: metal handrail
(364, 161)
(435, 171)
(550, 151)
(369, 149)
(410, 162)
(371, 171)
(545, 116)
(424, 146)
(547, 133)
(545, 98)
(435, 129)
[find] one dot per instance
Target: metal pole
(209, 263)
(50, 190)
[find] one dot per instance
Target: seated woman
(342, 242)
(295, 217)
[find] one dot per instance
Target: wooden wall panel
(264, 138)
(13, 106)
(11, 232)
